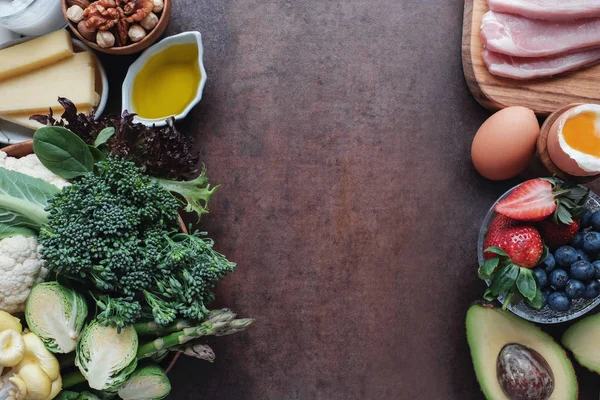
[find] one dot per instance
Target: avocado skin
(486, 335)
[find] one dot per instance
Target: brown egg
(505, 144)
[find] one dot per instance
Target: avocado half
(582, 340)
(489, 329)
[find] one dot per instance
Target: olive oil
(167, 83)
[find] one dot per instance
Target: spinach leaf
(97, 154)
(62, 152)
(103, 136)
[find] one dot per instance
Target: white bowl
(182, 38)
(12, 133)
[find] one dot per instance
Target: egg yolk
(582, 134)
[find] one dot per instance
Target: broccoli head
(108, 229)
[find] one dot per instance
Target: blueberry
(541, 277)
(577, 241)
(548, 264)
(559, 278)
(558, 301)
(595, 221)
(591, 242)
(574, 289)
(565, 256)
(582, 255)
(596, 265)
(586, 220)
(592, 290)
(582, 270)
(545, 294)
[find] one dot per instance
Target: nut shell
(86, 32)
(136, 33)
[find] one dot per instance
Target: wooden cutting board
(541, 95)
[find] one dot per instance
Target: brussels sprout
(67, 395)
(105, 357)
(147, 383)
(56, 315)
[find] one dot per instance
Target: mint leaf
(536, 302)
(504, 280)
(496, 250)
(487, 268)
(487, 295)
(527, 284)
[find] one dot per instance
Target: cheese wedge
(73, 78)
(33, 54)
(23, 119)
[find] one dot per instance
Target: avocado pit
(523, 373)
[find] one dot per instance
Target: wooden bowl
(24, 148)
(149, 39)
(542, 149)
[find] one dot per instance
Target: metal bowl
(545, 315)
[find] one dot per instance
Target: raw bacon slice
(529, 68)
(522, 37)
(556, 10)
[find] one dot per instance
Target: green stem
(152, 328)
(220, 323)
(71, 379)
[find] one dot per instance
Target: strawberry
(556, 235)
(522, 243)
(536, 199)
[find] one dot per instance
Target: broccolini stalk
(220, 323)
(152, 328)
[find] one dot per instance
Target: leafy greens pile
(127, 285)
(163, 152)
(114, 232)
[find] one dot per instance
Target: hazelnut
(105, 39)
(136, 33)
(75, 13)
(81, 3)
(149, 22)
(158, 6)
(85, 31)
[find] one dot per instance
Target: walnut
(122, 29)
(101, 15)
(137, 10)
(87, 33)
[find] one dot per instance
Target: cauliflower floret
(21, 267)
(32, 166)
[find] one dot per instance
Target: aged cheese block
(36, 91)
(28, 56)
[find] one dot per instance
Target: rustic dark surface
(340, 131)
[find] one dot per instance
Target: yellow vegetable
(12, 348)
(20, 385)
(7, 321)
(56, 388)
(39, 386)
(36, 353)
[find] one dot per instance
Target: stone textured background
(340, 131)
